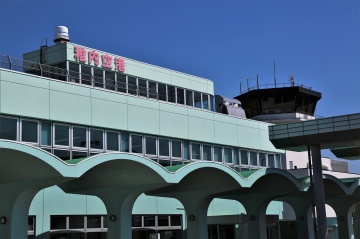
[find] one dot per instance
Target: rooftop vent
(61, 34)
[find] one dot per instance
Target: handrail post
(10, 62)
(41, 73)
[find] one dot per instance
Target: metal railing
(36, 68)
(272, 86)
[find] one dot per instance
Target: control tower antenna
(292, 79)
(274, 73)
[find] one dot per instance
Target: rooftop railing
(272, 86)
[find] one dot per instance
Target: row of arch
(119, 178)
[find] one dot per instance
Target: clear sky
(318, 41)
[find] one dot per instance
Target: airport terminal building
(95, 145)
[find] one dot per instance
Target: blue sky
(225, 41)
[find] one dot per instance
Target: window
(29, 131)
(79, 137)
(171, 94)
(109, 80)
(73, 72)
(176, 149)
(236, 157)
(142, 87)
(96, 139)
(262, 159)
(163, 221)
(244, 157)
(277, 161)
(76, 222)
(180, 96)
(62, 154)
(253, 158)
(164, 147)
(271, 161)
(149, 221)
(197, 99)
(186, 150)
(61, 135)
(205, 101)
(152, 90)
(121, 83)
(8, 128)
(195, 151)
(86, 77)
(136, 144)
(77, 155)
(206, 152)
(94, 221)
(132, 86)
(175, 220)
(291, 165)
(112, 141)
(162, 92)
(125, 147)
(212, 105)
(57, 222)
(98, 78)
(228, 155)
(217, 154)
(150, 145)
(136, 221)
(189, 98)
(45, 133)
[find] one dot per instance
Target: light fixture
(342, 218)
(112, 218)
(191, 217)
(252, 217)
(2, 220)
(301, 217)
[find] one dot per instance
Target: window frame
(37, 130)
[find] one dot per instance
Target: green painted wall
(42, 98)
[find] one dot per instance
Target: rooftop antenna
(240, 88)
(274, 73)
(247, 82)
(292, 80)
(257, 81)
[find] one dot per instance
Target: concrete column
(343, 209)
(196, 211)
(256, 217)
(304, 218)
(119, 214)
(14, 208)
(318, 190)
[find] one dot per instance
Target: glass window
(236, 157)
(262, 159)
(277, 161)
(152, 90)
(186, 150)
(61, 135)
(244, 157)
(98, 78)
(162, 92)
(253, 158)
(125, 142)
(176, 162)
(195, 151)
(57, 222)
(175, 220)
(77, 155)
(271, 161)
(86, 77)
(206, 152)
(96, 139)
(205, 101)
(150, 145)
(136, 221)
(93, 221)
(45, 133)
(212, 105)
(197, 99)
(121, 83)
(136, 144)
(180, 96)
(76, 222)
(132, 86)
(142, 87)
(164, 162)
(217, 154)
(112, 141)
(189, 98)
(163, 221)
(79, 137)
(29, 131)
(73, 72)
(149, 221)
(109, 80)
(176, 149)
(62, 154)
(8, 128)
(228, 155)
(171, 94)
(164, 147)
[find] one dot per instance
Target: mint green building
(94, 145)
